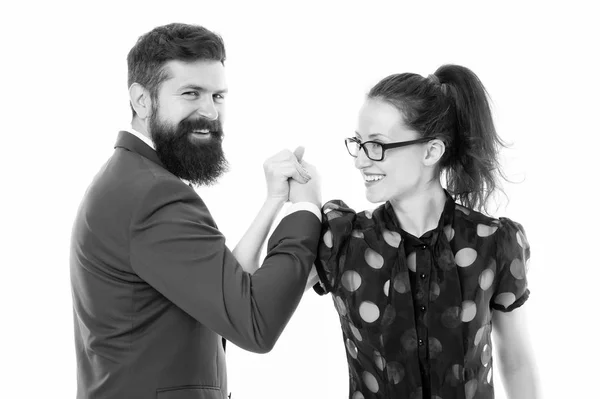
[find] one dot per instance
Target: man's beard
(199, 161)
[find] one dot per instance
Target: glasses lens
(374, 151)
(352, 147)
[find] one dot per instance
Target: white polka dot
(479, 335)
(351, 346)
(392, 238)
(341, 307)
(357, 234)
(434, 291)
(435, 347)
(389, 314)
(457, 372)
(484, 230)
(351, 280)
(395, 372)
(400, 285)
(463, 209)
(370, 382)
(373, 259)
(411, 261)
(409, 340)
(505, 299)
(486, 278)
(521, 239)
(486, 354)
(470, 389)
(386, 288)
(330, 206)
(449, 232)
(333, 215)
(328, 239)
(368, 311)
(517, 269)
(355, 332)
(465, 257)
(379, 360)
(469, 310)
(451, 318)
(358, 395)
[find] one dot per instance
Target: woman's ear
(434, 152)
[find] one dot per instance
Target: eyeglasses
(374, 150)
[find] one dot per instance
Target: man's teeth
(373, 177)
(204, 131)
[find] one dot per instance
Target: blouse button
(423, 308)
(420, 342)
(423, 276)
(423, 246)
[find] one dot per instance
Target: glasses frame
(384, 147)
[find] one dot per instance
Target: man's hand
(307, 192)
(283, 166)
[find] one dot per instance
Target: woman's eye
(219, 97)
(191, 94)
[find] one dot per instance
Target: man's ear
(140, 100)
(435, 150)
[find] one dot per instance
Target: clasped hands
(290, 178)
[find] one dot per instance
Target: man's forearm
(247, 251)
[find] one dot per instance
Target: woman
(419, 282)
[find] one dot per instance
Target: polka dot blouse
(416, 312)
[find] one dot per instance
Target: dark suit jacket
(155, 288)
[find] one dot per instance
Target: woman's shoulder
(339, 209)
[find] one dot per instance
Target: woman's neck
(420, 211)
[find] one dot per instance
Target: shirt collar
(429, 237)
(141, 136)
(150, 143)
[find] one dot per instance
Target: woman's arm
(515, 355)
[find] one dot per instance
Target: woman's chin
(374, 197)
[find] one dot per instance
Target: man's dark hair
(176, 41)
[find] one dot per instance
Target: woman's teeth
(373, 177)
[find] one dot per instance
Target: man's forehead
(208, 74)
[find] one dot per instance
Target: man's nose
(207, 109)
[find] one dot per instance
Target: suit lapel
(130, 142)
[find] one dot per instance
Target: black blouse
(416, 312)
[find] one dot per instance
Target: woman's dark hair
(451, 105)
(146, 60)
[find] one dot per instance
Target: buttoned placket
(421, 303)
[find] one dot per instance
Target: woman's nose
(361, 159)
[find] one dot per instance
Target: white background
(297, 73)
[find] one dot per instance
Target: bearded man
(156, 291)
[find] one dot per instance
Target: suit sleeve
(176, 248)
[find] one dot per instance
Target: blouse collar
(429, 237)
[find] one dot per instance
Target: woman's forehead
(377, 117)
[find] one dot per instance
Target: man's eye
(219, 97)
(191, 94)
